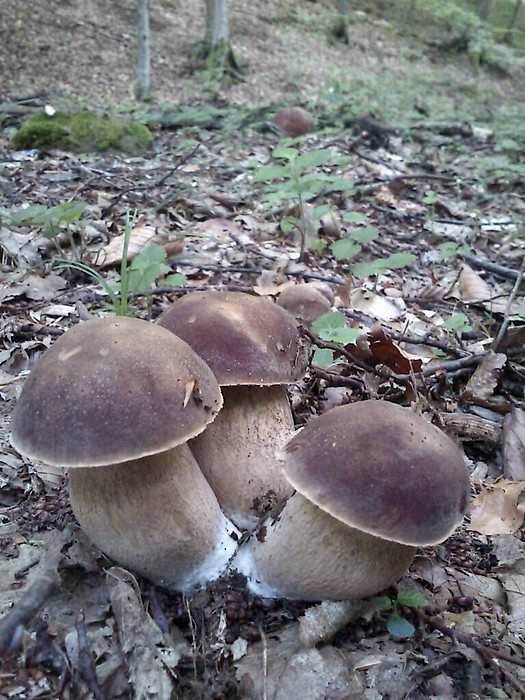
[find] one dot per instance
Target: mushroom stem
(156, 515)
(310, 555)
(237, 452)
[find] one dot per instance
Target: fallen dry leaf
(141, 237)
(152, 654)
(496, 510)
(481, 385)
(514, 445)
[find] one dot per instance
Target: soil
(93, 630)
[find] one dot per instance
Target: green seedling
(62, 218)
(458, 323)
(449, 250)
(134, 277)
(296, 178)
(332, 328)
(390, 610)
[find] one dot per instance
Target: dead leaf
(279, 668)
(375, 305)
(514, 445)
(514, 585)
(474, 290)
(142, 236)
(152, 655)
(496, 511)
(386, 352)
(481, 385)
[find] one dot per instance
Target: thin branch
(500, 270)
(510, 301)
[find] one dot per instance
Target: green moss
(83, 131)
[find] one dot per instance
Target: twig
(337, 379)
(25, 609)
(510, 300)
(38, 591)
(484, 651)
(446, 366)
(505, 272)
(86, 661)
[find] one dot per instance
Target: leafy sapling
(135, 276)
(391, 611)
(332, 328)
(296, 178)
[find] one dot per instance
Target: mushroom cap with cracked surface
(244, 339)
(383, 470)
(112, 390)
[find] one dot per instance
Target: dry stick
(505, 272)
(487, 652)
(25, 609)
(506, 319)
(86, 661)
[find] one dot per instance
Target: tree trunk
(340, 29)
(510, 29)
(216, 22)
(143, 87)
(484, 8)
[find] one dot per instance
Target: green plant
(449, 249)
(296, 179)
(458, 323)
(134, 277)
(65, 217)
(391, 611)
(332, 328)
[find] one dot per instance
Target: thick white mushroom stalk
(309, 555)
(254, 422)
(156, 516)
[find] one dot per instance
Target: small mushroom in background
(254, 348)
(294, 121)
(305, 302)
(373, 482)
(115, 400)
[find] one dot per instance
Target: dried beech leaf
(141, 237)
(514, 445)
(484, 380)
(472, 286)
(152, 654)
(496, 511)
(386, 352)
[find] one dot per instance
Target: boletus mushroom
(254, 348)
(115, 400)
(294, 121)
(373, 482)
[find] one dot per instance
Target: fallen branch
(13, 622)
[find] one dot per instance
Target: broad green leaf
(152, 255)
(270, 172)
(398, 260)
(411, 598)
(344, 335)
(365, 235)
(175, 280)
(313, 159)
(381, 603)
(332, 319)
(285, 152)
(450, 249)
(355, 217)
(457, 323)
(366, 269)
(288, 224)
(345, 249)
(399, 627)
(322, 357)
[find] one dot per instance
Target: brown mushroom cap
(112, 390)
(304, 302)
(294, 121)
(382, 470)
(244, 339)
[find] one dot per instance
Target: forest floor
(416, 156)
